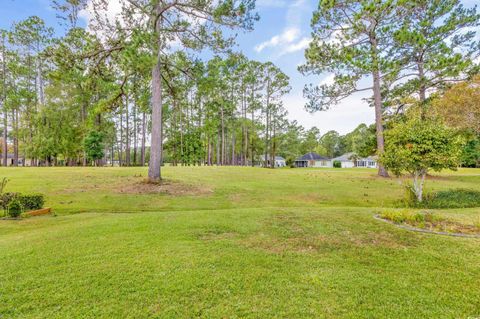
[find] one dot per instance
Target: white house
(279, 161)
(313, 160)
(350, 160)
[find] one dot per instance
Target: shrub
(6, 198)
(28, 202)
(337, 164)
(454, 198)
(15, 208)
(32, 202)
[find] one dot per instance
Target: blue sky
(280, 36)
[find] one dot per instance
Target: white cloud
(290, 40)
(271, 3)
(286, 37)
(328, 80)
(298, 46)
(110, 12)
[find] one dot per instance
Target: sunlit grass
(293, 243)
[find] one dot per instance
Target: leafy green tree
(471, 152)
(94, 148)
(276, 84)
(361, 141)
(459, 106)
(418, 145)
(332, 144)
(311, 140)
(291, 142)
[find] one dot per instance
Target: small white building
(313, 160)
(279, 161)
(350, 160)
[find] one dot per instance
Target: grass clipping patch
(430, 222)
(174, 188)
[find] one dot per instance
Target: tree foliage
(417, 146)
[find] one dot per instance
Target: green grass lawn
(238, 243)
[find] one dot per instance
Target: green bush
(6, 198)
(32, 202)
(15, 208)
(454, 198)
(337, 164)
(27, 202)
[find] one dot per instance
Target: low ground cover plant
(429, 221)
(452, 198)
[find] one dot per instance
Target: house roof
(347, 157)
(312, 156)
(344, 158)
(277, 158)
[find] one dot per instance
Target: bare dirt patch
(167, 187)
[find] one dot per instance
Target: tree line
(92, 97)
(133, 89)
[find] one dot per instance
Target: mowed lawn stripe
(250, 263)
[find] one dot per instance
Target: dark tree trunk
(144, 136)
(252, 155)
(223, 137)
(218, 145)
(377, 99)
(127, 133)
(120, 149)
(5, 138)
(135, 138)
(422, 90)
(233, 148)
(4, 98)
(15, 137)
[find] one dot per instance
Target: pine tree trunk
(223, 138)
(155, 162)
(135, 138)
(422, 90)
(4, 98)
(272, 156)
(233, 148)
(252, 155)
(218, 145)
(127, 133)
(267, 127)
(5, 138)
(15, 137)
(377, 99)
(120, 149)
(112, 156)
(144, 137)
(245, 138)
